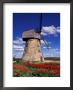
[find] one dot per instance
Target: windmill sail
(46, 43)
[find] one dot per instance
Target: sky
(50, 32)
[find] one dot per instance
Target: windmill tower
(32, 51)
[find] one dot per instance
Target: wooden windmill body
(32, 51)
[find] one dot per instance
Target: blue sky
(50, 31)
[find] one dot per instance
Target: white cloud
(52, 30)
(49, 29)
(55, 52)
(18, 55)
(58, 29)
(47, 47)
(18, 47)
(42, 33)
(44, 47)
(18, 41)
(51, 52)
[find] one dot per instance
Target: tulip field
(32, 69)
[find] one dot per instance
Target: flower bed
(21, 68)
(43, 65)
(36, 69)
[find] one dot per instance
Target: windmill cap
(32, 33)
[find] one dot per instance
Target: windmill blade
(46, 43)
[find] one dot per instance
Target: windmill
(32, 51)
